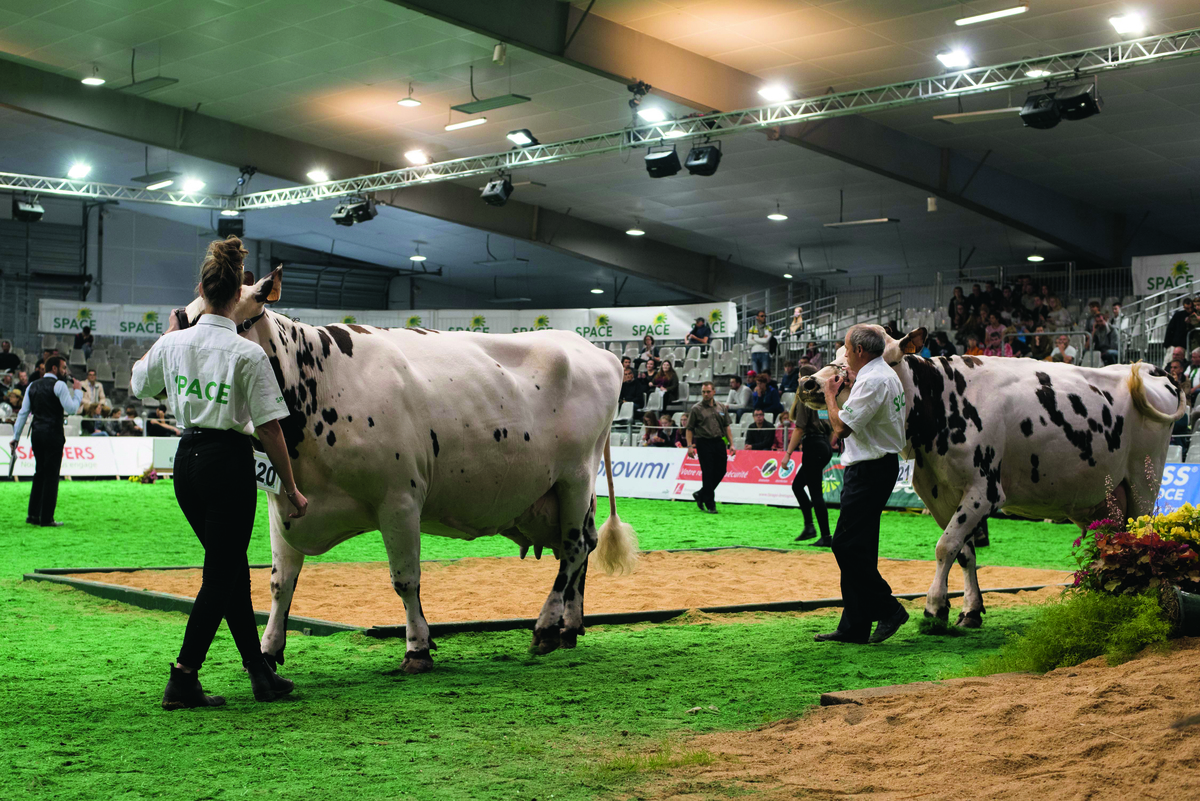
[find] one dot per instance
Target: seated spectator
(7, 382)
(972, 347)
(665, 435)
(124, 425)
(969, 328)
(767, 375)
(956, 300)
(740, 399)
(700, 333)
(157, 426)
(94, 401)
(632, 390)
(1089, 319)
(941, 345)
(626, 363)
(1175, 354)
(10, 406)
(681, 431)
(1058, 318)
(994, 326)
(1029, 297)
(791, 377)
(649, 428)
(667, 380)
(649, 350)
(8, 359)
(766, 397)
(39, 370)
(247, 278)
(1040, 346)
(760, 435)
(1063, 351)
(783, 430)
(975, 299)
(1023, 329)
(1116, 320)
(1181, 430)
(84, 341)
(1006, 305)
(815, 360)
(995, 344)
(1104, 340)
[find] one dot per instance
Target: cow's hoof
(970, 620)
(545, 641)
(935, 623)
(569, 637)
(273, 661)
(416, 662)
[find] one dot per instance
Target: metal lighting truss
(978, 80)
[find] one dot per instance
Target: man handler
(872, 425)
(709, 438)
(48, 399)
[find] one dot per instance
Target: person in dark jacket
(791, 378)
(633, 390)
(760, 435)
(941, 346)
(700, 334)
(766, 397)
(1177, 328)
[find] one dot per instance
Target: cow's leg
(402, 537)
(286, 562)
(974, 506)
(574, 499)
(971, 616)
(572, 627)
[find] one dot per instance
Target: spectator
(972, 347)
(995, 344)
(993, 327)
(767, 375)
(6, 382)
(992, 295)
(968, 328)
(1029, 297)
(649, 349)
(760, 435)
(668, 382)
(1174, 354)
(1063, 351)
(22, 382)
(783, 430)
(700, 333)
(759, 337)
(157, 426)
(626, 363)
(1192, 373)
(1023, 340)
(94, 401)
(681, 431)
(1089, 320)
(84, 341)
(10, 406)
(666, 435)
(957, 299)
(791, 377)
(941, 345)
(815, 360)
(124, 425)
(1104, 340)
(649, 428)
(632, 390)
(1059, 318)
(1006, 304)
(653, 366)
(8, 359)
(1180, 431)
(975, 299)
(803, 363)
(766, 397)
(1117, 321)
(740, 399)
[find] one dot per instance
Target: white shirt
(875, 413)
(69, 399)
(739, 398)
(1069, 353)
(213, 377)
(758, 337)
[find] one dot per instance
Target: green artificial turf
(118, 523)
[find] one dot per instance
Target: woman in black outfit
(811, 438)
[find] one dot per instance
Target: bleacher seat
(653, 402)
(121, 381)
(1174, 453)
(787, 399)
(693, 353)
(49, 341)
(625, 413)
(104, 372)
(1193, 454)
(718, 345)
(73, 425)
(77, 359)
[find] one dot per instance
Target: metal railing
(1148, 318)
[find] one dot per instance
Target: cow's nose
(810, 385)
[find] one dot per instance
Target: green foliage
(666, 757)
(937, 626)
(1113, 560)
(1083, 626)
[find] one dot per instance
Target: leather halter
(245, 325)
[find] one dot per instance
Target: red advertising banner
(750, 477)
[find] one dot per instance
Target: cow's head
(249, 306)
(812, 388)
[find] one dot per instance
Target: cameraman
(50, 400)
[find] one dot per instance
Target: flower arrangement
(1145, 553)
(148, 477)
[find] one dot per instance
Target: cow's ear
(913, 341)
(267, 290)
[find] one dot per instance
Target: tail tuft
(617, 550)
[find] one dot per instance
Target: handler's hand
(833, 385)
(300, 502)
(731, 451)
(12, 449)
(691, 451)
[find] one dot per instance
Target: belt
(214, 433)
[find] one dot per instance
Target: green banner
(903, 496)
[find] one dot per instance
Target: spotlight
(454, 126)
(703, 160)
(27, 210)
(636, 231)
(78, 171)
(229, 212)
(662, 163)
(777, 215)
(1129, 24)
(351, 212)
(94, 79)
(499, 53)
(163, 184)
(318, 176)
(1040, 111)
(1036, 73)
(497, 191)
(410, 101)
(341, 215)
(674, 133)
(775, 93)
(416, 157)
(522, 137)
(652, 114)
(192, 185)
(954, 59)
(1078, 102)
(231, 226)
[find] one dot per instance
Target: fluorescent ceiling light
(416, 257)
(874, 221)
(409, 102)
(597, 291)
(979, 116)
(635, 231)
(192, 184)
(1035, 257)
(775, 93)
(674, 133)
(229, 212)
(1129, 23)
(991, 15)
(652, 114)
(78, 171)
(787, 275)
(318, 176)
(454, 126)
(416, 157)
(161, 184)
(954, 59)
(1036, 73)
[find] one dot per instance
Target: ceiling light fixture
(774, 93)
(410, 101)
(872, 221)
(94, 79)
(662, 163)
(454, 126)
(1035, 257)
(417, 256)
(596, 290)
(354, 211)
(652, 114)
(478, 104)
(986, 115)
(1132, 24)
(674, 133)
(1036, 72)
(522, 137)
(703, 159)
(787, 275)
(318, 176)
(163, 184)
(192, 185)
(78, 171)
(955, 59)
(636, 230)
(229, 212)
(991, 15)
(777, 215)
(416, 157)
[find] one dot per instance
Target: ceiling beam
(607, 48)
(53, 96)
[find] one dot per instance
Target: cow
(1036, 439)
(458, 435)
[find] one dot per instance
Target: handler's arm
(835, 419)
(270, 434)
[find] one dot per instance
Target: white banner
(660, 322)
(1155, 273)
(104, 319)
(93, 456)
(642, 472)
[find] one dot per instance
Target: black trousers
(866, 487)
(48, 456)
(711, 455)
(215, 487)
(815, 454)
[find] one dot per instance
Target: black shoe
(51, 524)
(29, 521)
(699, 503)
(890, 626)
(837, 635)
(824, 542)
(184, 692)
(808, 533)
(712, 510)
(266, 683)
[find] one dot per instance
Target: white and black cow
(453, 434)
(1036, 439)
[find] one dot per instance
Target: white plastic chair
(1193, 454)
(1174, 453)
(77, 359)
(625, 413)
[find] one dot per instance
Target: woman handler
(812, 436)
(216, 383)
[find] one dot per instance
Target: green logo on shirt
(211, 391)
(899, 401)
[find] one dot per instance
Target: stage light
(454, 126)
(662, 163)
(1036, 73)
(79, 171)
(674, 133)
(775, 93)
(410, 101)
(497, 191)
(192, 185)
(94, 79)
(954, 59)
(27, 210)
(416, 157)
(1078, 102)
(703, 160)
(652, 114)
(1040, 111)
(229, 212)
(1133, 24)
(991, 15)
(318, 176)
(351, 212)
(163, 184)
(777, 215)
(522, 137)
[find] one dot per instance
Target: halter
(246, 325)
(242, 327)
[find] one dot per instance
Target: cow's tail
(617, 550)
(1137, 391)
